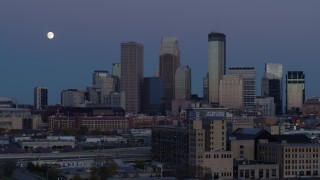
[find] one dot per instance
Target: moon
(50, 35)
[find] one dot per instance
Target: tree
(139, 164)
(104, 167)
(8, 168)
(76, 177)
(53, 173)
(83, 130)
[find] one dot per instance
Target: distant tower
(271, 84)
(116, 69)
(153, 95)
(105, 81)
(132, 75)
(216, 63)
(183, 83)
(169, 61)
(249, 82)
(295, 91)
(40, 97)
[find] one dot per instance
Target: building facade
(116, 69)
(169, 61)
(40, 97)
(265, 105)
(216, 63)
(183, 83)
(295, 90)
(72, 98)
(205, 87)
(249, 84)
(106, 82)
(153, 95)
(132, 55)
(271, 84)
(231, 91)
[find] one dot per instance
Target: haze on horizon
(88, 36)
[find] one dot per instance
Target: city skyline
(89, 39)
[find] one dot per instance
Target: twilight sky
(88, 36)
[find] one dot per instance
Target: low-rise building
(50, 144)
(256, 170)
(296, 155)
(15, 118)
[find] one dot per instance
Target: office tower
(115, 100)
(116, 69)
(183, 83)
(216, 63)
(169, 61)
(106, 82)
(72, 98)
(249, 84)
(132, 75)
(93, 94)
(40, 97)
(231, 91)
(295, 91)
(153, 95)
(265, 105)
(271, 84)
(205, 87)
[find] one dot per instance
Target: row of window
(215, 156)
(301, 155)
(301, 173)
(302, 167)
(307, 161)
(302, 150)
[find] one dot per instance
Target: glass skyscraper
(169, 61)
(216, 63)
(271, 84)
(295, 90)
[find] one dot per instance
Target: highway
(136, 152)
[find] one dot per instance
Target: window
(260, 173)
(274, 172)
(241, 146)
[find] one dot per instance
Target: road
(18, 173)
(143, 152)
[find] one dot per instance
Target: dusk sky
(88, 36)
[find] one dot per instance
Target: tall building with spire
(132, 75)
(169, 61)
(216, 63)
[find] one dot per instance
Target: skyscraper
(72, 98)
(169, 61)
(132, 75)
(231, 91)
(271, 84)
(295, 90)
(216, 63)
(153, 95)
(40, 97)
(105, 81)
(116, 69)
(249, 83)
(183, 83)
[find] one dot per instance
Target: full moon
(50, 35)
